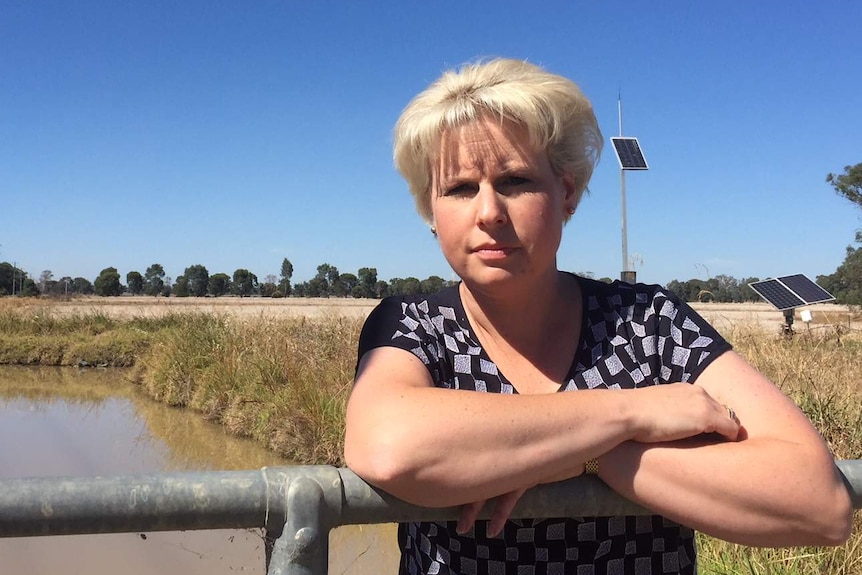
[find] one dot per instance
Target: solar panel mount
(789, 292)
(629, 153)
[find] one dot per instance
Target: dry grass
(283, 379)
(283, 382)
(818, 370)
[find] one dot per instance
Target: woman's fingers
(681, 410)
(504, 504)
(469, 513)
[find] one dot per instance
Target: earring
(570, 211)
(433, 230)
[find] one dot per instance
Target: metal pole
(625, 268)
(306, 501)
(303, 548)
(625, 233)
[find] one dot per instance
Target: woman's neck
(522, 317)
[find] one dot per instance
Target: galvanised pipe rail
(298, 505)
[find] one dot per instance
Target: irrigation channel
(69, 422)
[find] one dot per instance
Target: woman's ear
(570, 193)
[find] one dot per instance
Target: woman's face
(498, 206)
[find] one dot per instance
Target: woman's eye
(459, 190)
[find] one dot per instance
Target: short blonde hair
(557, 115)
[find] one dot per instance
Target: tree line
(328, 282)
(197, 281)
(845, 283)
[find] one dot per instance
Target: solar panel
(788, 292)
(806, 289)
(629, 154)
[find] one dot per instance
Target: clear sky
(235, 134)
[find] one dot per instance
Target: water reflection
(94, 422)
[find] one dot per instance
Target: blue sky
(235, 134)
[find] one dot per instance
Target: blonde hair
(557, 115)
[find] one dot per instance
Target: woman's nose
(491, 209)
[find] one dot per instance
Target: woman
(497, 156)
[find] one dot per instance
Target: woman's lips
(493, 252)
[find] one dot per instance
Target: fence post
(303, 547)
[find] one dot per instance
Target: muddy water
(58, 422)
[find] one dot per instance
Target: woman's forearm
(440, 447)
(761, 492)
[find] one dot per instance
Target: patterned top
(631, 336)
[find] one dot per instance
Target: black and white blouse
(631, 336)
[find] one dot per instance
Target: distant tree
(167, 289)
(688, 290)
(135, 282)
(724, 288)
(82, 286)
(381, 289)
(606, 280)
(181, 287)
(432, 284)
(719, 288)
(64, 286)
(345, 285)
(286, 275)
(846, 283)
(219, 284)
(404, 286)
(197, 279)
(367, 277)
(11, 279)
(676, 287)
(268, 289)
(108, 282)
(327, 275)
(316, 287)
(29, 288)
(155, 282)
(45, 279)
(848, 184)
(244, 282)
(745, 291)
(49, 286)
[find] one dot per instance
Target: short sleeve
(687, 342)
(399, 322)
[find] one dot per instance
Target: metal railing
(296, 506)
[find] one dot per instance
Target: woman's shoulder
(412, 320)
(445, 301)
(617, 294)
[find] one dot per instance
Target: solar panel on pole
(806, 289)
(788, 292)
(629, 154)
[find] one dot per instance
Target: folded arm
(777, 486)
(440, 447)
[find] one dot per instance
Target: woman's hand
(678, 411)
(504, 504)
(665, 413)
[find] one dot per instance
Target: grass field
(280, 371)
